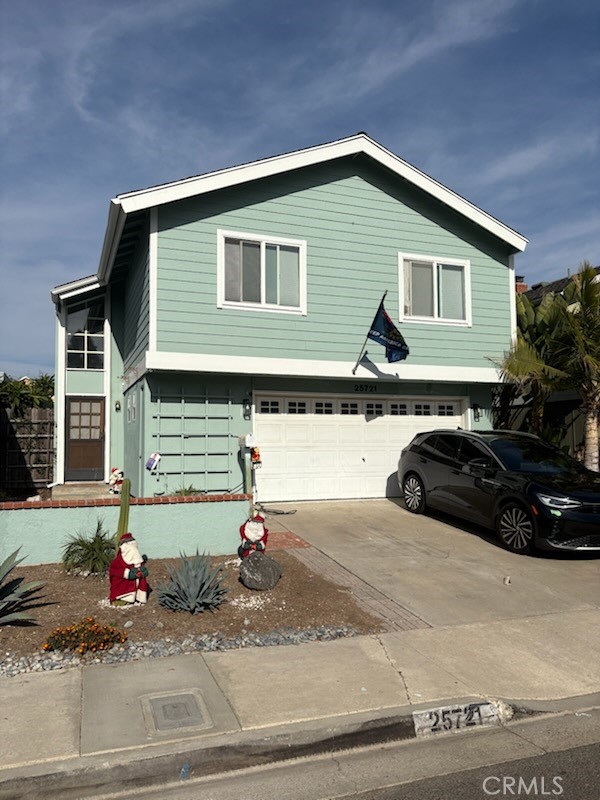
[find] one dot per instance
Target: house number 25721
(365, 387)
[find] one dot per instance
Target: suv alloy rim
(413, 493)
(516, 528)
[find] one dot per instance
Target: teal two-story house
(237, 302)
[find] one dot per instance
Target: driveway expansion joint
(395, 666)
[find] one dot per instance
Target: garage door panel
(348, 460)
(376, 432)
(296, 434)
(324, 434)
(273, 431)
(340, 455)
(376, 460)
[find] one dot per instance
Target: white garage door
(317, 448)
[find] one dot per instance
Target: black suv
(531, 493)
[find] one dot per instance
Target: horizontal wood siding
(137, 307)
(355, 219)
(194, 422)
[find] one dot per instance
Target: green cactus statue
(124, 512)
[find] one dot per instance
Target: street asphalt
(493, 626)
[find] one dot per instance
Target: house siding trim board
(153, 281)
(247, 365)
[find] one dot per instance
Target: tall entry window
(85, 336)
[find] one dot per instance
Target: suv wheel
(414, 494)
(515, 528)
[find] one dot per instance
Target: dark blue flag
(386, 333)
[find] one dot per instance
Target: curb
(117, 774)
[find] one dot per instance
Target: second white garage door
(317, 448)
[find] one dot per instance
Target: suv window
(447, 445)
(470, 450)
(525, 455)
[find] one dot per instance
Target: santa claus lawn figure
(115, 482)
(254, 536)
(128, 573)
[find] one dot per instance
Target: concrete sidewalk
(99, 724)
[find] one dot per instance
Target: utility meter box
(247, 440)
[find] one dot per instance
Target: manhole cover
(178, 711)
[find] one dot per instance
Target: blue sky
(497, 99)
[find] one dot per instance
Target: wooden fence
(26, 450)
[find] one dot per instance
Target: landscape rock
(260, 571)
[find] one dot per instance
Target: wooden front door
(85, 439)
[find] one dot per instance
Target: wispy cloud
(363, 51)
(554, 151)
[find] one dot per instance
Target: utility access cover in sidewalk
(152, 700)
(176, 711)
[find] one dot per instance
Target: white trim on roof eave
(80, 286)
(354, 145)
(114, 228)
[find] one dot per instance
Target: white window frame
(263, 241)
(86, 352)
(435, 261)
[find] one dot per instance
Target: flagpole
(362, 350)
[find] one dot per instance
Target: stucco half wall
(163, 527)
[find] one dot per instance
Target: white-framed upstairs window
(261, 273)
(85, 335)
(434, 290)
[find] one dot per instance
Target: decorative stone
(259, 571)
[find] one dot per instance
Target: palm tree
(575, 350)
(530, 364)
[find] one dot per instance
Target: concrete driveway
(446, 572)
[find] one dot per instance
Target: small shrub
(16, 597)
(186, 491)
(193, 587)
(87, 554)
(85, 635)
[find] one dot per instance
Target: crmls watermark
(509, 786)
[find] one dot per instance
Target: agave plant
(91, 554)
(193, 587)
(16, 597)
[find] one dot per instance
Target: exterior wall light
(247, 407)
(117, 405)
(476, 408)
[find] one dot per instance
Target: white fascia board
(112, 237)
(354, 145)
(444, 195)
(512, 288)
(80, 286)
(153, 279)
(60, 390)
(282, 367)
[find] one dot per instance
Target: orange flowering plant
(84, 636)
